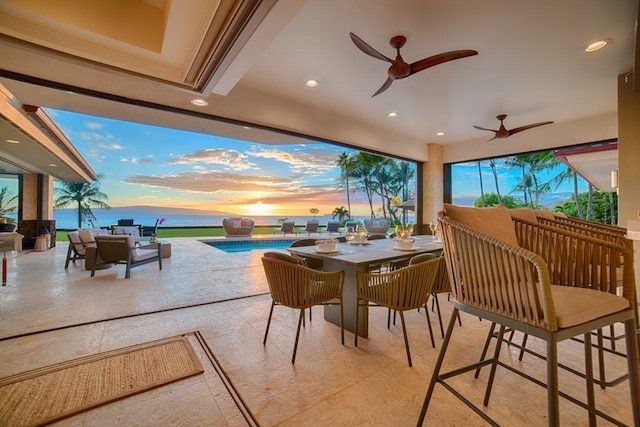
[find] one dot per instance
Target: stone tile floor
(49, 314)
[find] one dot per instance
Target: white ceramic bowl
(404, 243)
(326, 246)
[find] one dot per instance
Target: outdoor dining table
(360, 257)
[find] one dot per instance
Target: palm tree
(7, 203)
(341, 213)
(363, 173)
(492, 165)
(481, 184)
(569, 174)
(520, 162)
(83, 195)
(345, 162)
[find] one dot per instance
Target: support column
(36, 201)
(433, 184)
(628, 155)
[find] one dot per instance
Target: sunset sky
(148, 165)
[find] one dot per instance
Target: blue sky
(149, 165)
(466, 184)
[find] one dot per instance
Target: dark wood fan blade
(439, 59)
(360, 44)
(384, 87)
(521, 128)
(481, 128)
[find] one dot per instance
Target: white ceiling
(531, 65)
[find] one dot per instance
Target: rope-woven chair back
(580, 260)
(497, 277)
(303, 242)
(442, 283)
(404, 289)
(297, 286)
(593, 229)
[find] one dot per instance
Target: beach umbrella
(408, 205)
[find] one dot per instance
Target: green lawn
(61, 235)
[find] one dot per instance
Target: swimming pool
(249, 245)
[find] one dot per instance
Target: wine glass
(433, 227)
(349, 235)
(410, 230)
(400, 231)
(359, 230)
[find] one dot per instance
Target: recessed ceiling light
(597, 45)
(246, 127)
(199, 102)
(392, 114)
(312, 83)
(13, 141)
(53, 165)
(440, 134)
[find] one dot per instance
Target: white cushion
(86, 236)
(129, 230)
(143, 254)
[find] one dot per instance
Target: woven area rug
(58, 391)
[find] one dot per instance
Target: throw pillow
(525, 214)
(237, 224)
(86, 236)
(495, 222)
(543, 213)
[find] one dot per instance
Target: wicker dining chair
(296, 286)
(315, 263)
(442, 285)
(558, 286)
(400, 290)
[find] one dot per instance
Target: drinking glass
(410, 229)
(434, 230)
(349, 235)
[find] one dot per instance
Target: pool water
(250, 245)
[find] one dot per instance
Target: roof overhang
(594, 163)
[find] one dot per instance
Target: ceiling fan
(399, 69)
(503, 132)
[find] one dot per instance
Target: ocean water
(68, 219)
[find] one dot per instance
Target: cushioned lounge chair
(77, 249)
(127, 230)
(238, 227)
(311, 227)
(123, 250)
(150, 230)
(287, 227)
(333, 227)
